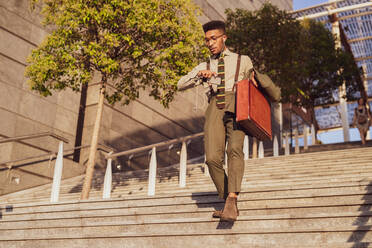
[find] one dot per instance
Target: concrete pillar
(344, 117)
(183, 165)
(313, 136)
(58, 168)
(108, 180)
(254, 148)
(275, 147)
(365, 83)
(306, 134)
(277, 120)
(152, 173)
(261, 151)
(297, 143)
(342, 89)
(246, 148)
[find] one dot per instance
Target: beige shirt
(230, 70)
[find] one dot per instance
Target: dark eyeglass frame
(214, 39)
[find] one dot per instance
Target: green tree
(271, 38)
(300, 56)
(325, 67)
(132, 45)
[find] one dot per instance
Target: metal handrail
(53, 155)
(164, 143)
(34, 136)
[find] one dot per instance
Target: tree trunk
(93, 147)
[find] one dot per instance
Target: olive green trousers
(220, 127)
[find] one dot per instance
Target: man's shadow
(8, 209)
(361, 221)
(211, 200)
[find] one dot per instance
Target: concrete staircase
(319, 199)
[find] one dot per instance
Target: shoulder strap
(237, 68)
(208, 64)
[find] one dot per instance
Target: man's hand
(206, 74)
(253, 79)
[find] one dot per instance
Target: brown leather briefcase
(253, 111)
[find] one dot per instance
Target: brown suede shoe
(230, 211)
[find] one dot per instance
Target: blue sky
(300, 4)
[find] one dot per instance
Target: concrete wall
(145, 122)
(24, 112)
(142, 122)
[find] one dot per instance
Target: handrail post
(108, 179)
(246, 148)
(206, 169)
(254, 148)
(57, 174)
(183, 165)
(152, 173)
(297, 146)
(275, 147)
(306, 134)
(313, 136)
(287, 148)
(261, 152)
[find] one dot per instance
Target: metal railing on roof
(330, 11)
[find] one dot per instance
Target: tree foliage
(131, 44)
(299, 56)
(326, 68)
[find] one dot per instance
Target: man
(220, 125)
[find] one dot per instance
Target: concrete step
(188, 226)
(104, 216)
(252, 171)
(339, 195)
(271, 199)
(344, 239)
(248, 188)
(273, 167)
(177, 211)
(302, 201)
(249, 185)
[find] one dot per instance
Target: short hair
(212, 25)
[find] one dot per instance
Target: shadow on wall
(363, 221)
(137, 164)
(165, 155)
(120, 179)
